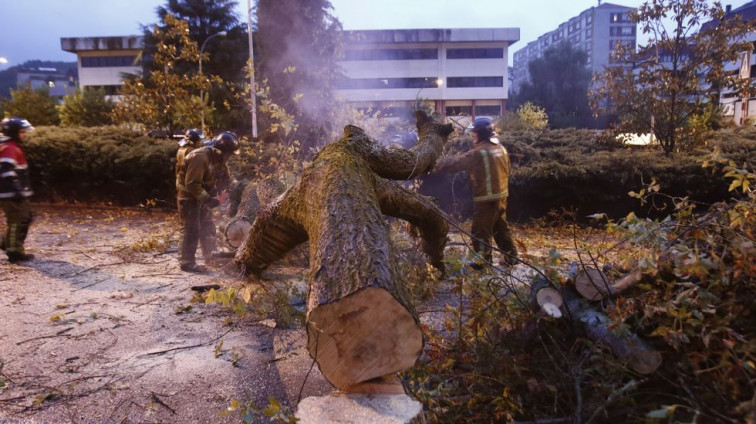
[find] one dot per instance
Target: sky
(32, 29)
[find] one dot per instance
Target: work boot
(19, 257)
(193, 268)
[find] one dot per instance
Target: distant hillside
(8, 76)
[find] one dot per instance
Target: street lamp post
(202, 91)
(253, 100)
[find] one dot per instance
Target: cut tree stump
(360, 324)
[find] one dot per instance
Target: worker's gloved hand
(212, 202)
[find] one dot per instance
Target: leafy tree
(673, 80)
(87, 107)
(298, 43)
(168, 99)
(533, 116)
(34, 105)
(225, 56)
(559, 83)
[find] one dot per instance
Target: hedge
(554, 170)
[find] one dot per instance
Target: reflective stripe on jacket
(14, 172)
(488, 166)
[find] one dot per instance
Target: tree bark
(253, 198)
(629, 348)
(360, 324)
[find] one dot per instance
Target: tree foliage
(167, 99)
(559, 83)
(298, 45)
(674, 79)
(37, 106)
(87, 107)
(225, 55)
(498, 360)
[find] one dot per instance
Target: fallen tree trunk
(360, 324)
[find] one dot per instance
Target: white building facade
(463, 72)
(596, 31)
(103, 61)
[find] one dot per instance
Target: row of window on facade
(108, 61)
(350, 55)
(422, 54)
(407, 110)
(418, 82)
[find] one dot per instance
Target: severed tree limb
(594, 284)
(629, 348)
(421, 212)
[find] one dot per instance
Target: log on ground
(360, 323)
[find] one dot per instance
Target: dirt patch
(100, 328)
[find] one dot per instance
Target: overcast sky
(31, 29)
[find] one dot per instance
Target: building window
(619, 17)
(589, 19)
(588, 32)
(459, 110)
(381, 83)
(110, 90)
(108, 61)
(457, 82)
(391, 54)
(481, 53)
(621, 31)
(488, 110)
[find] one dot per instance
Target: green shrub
(100, 165)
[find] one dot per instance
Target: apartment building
(462, 72)
(103, 61)
(597, 31)
(742, 110)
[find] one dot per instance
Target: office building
(462, 72)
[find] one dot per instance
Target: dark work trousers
(197, 227)
(490, 220)
(18, 216)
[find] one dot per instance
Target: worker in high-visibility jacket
(487, 164)
(15, 188)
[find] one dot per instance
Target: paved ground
(101, 327)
